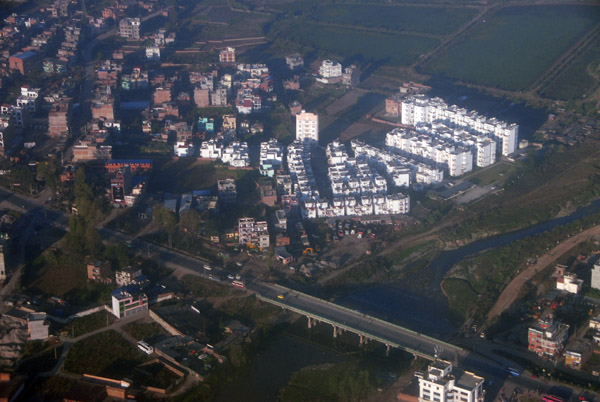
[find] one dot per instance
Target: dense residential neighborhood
(198, 202)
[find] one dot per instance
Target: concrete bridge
(368, 328)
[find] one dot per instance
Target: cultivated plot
(515, 46)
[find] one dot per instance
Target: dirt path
(511, 292)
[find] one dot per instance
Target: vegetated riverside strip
(513, 47)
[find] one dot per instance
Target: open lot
(428, 20)
(516, 45)
(579, 79)
(356, 45)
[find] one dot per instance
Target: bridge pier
(387, 349)
(335, 329)
(309, 322)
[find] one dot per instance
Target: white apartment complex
(443, 383)
(307, 127)
(253, 233)
(271, 157)
(422, 109)
(458, 160)
(401, 170)
(330, 69)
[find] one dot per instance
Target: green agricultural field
(516, 45)
(393, 49)
(577, 80)
(428, 20)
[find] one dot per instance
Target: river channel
(426, 310)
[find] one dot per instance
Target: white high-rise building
(307, 127)
(443, 383)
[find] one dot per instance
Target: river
(426, 310)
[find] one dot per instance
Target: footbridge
(368, 328)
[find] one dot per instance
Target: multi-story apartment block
(254, 234)
(457, 159)
(127, 301)
(421, 109)
(307, 127)
(294, 61)
(444, 383)
(227, 191)
(218, 97)
(548, 337)
(236, 154)
(271, 157)
(330, 69)
(569, 283)
(227, 55)
(153, 53)
(129, 28)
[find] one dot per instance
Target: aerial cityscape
(300, 200)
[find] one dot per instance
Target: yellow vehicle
(280, 296)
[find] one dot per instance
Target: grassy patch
(576, 80)
(329, 382)
(141, 330)
(89, 323)
(250, 308)
(516, 45)
(460, 294)
(431, 20)
(107, 354)
(203, 287)
(358, 45)
(185, 175)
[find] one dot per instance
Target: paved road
(484, 362)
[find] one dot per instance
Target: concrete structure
(153, 53)
(307, 127)
(129, 28)
(548, 337)
(271, 157)
(569, 283)
(127, 301)
(2, 266)
(422, 109)
(202, 97)
(121, 185)
(227, 191)
(37, 326)
(444, 383)
(596, 277)
(128, 276)
(294, 61)
(578, 353)
(253, 233)
(25, 62)
(227, 55)
(57, 120)
(100, 272)
(330, 69)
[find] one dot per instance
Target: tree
(166, 221)
(190, 220)
(48, 171)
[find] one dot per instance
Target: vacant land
(579, 79)
(511, 49)
(361, 46)
(428, 20)
(106, 354)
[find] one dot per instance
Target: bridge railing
(348, 328)
(410, 331)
